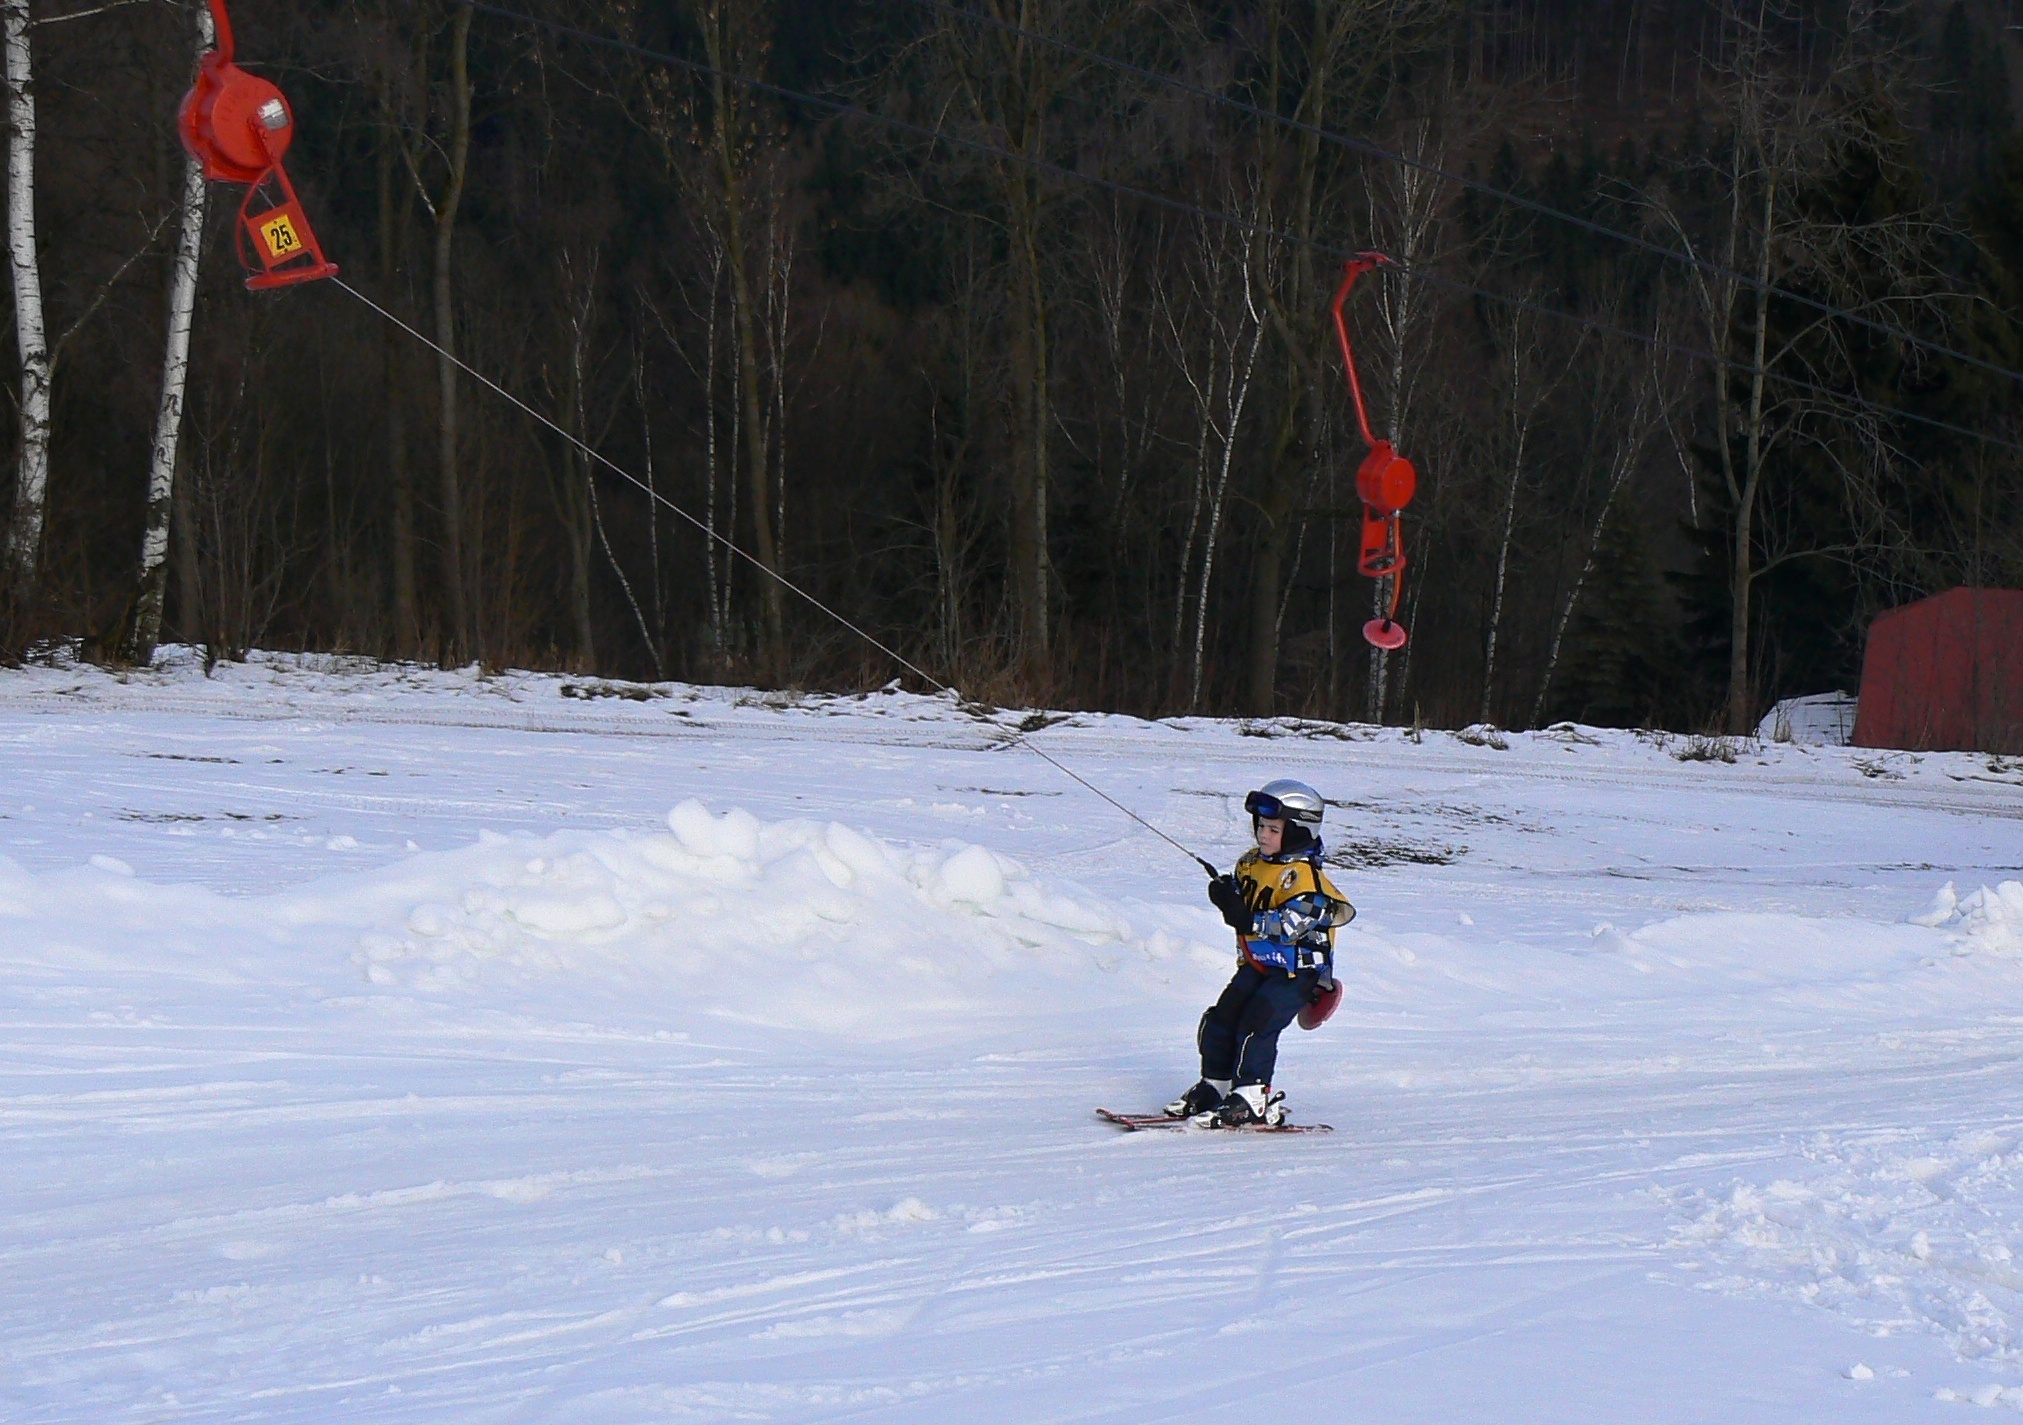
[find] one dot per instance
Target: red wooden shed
(1945, 675)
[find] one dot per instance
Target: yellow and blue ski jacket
(1296, 910)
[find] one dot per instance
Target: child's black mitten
(1227, 897)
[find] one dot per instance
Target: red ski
(1134, 1122)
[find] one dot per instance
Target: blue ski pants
(1239, 1033)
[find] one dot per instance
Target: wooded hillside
(1010, 342)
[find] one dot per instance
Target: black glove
(1227, 897)
(1320, 989)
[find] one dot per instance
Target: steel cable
(1013, 735)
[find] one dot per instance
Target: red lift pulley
(238, 125)
(1385, 482)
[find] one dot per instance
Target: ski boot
(1252, 1106)
(1204, 1097)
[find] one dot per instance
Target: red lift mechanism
(1385, 482)
(239, 125)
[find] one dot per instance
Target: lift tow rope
(1012, 735)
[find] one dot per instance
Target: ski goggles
(1266, 805)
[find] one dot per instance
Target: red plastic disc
(1383, 633)
(1314, 1015)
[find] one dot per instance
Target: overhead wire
(1012, 735)
(1435, 278)
(1489, 190)
(1179, 205)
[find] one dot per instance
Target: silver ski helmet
(1295, 801)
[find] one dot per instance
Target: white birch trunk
(31, 481)
(717, 596)
(1502, 573)
(1204, 404)
(1587, 569)
(145, 630)
(1649, 407)
(459, 642)
(1378, 693)
(1239, 392)
(1186, 575)
(1415, 196)
(652, 495)
(779, 258)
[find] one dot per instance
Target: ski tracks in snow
(1898, 1230)
(1649, 1102)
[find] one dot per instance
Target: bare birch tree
(1634, 402)
(723, 140)
(397, 87)
(571, 478)
(1528, 375)
(1315, 60)
(143, 631)
(436, 151)
(1407, 203)
(1012, 91)
(1216, 353)
(445, 209)
(704, 300)
(956, 384)
(31, 471)
(1790, 130)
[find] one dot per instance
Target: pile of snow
(1987, 922)
(795, 924)
(1819, 720)
(814, 925)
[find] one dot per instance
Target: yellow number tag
(280, 237)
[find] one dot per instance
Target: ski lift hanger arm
(1385, 481)
(1355, 267)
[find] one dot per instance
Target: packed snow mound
(790, 924)
(800, 924)
(795, 923)
(1986, 922)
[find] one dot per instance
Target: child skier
(1284, 911)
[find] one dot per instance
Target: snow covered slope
(387, 1044)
